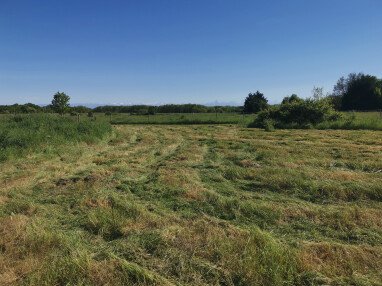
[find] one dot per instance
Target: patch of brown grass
(97, 202)
(344, 175)
(14, 260)
(333, 259)
(3, 200)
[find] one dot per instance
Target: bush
(297, 114)
(269, 125)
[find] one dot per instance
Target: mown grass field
(196, 205)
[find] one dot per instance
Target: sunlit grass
(196, 205)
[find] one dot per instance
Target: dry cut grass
(196, 205)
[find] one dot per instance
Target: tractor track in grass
(195, 205)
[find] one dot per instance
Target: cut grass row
(196, 205)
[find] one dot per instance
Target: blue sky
(178, 51)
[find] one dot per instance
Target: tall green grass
(355, 121)
(347, 121)
(22, 133)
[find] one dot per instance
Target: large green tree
(255, 102)
(359, 92)
(60, 102)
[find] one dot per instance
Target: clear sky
(180, 51)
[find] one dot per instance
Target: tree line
(355, 92)
(60, 104)
(358, 92)
(168, 108)
(33, 108)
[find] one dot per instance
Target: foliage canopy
(255, 102)
(358, 92)
(60, 102)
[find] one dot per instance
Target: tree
(255, 102)
(340, 87)
(60, 102)
(318, 92)
(358, 92)
(291, 99)
(80, 109)
(151, 110)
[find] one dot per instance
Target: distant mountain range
(212, 103)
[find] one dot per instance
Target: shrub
(269, 125)
(297, 114)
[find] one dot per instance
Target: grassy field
(196, 205)
(183, 118)
(355, 121)
(349, 120)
